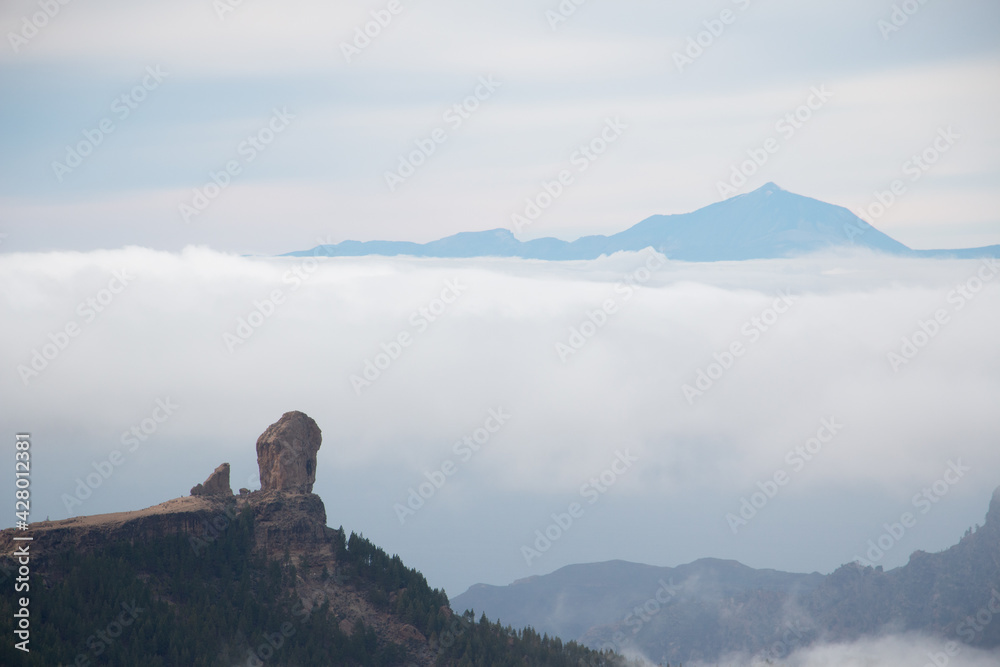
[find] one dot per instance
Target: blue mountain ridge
(768, 222)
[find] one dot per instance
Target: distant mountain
(766, 223)
(574, 600)
(710, 608)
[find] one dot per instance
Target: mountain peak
(770, 188)
(768, 222)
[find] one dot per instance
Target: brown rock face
(286, 454)
(217, 483)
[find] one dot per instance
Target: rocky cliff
(217, 579)
(286, 454)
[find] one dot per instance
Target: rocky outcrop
(294, 523)
(287, 528)
(286, 454)
(190, 515)
(291, 562)
(217, 483)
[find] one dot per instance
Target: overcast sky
(352, 115)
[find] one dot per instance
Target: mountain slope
(216, 579)
(709, 608)
(766, 223)
(577, 598)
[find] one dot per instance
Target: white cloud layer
(909, 650)
(162, 336)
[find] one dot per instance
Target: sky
(699, 88)
(155, 157)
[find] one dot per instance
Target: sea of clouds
(463, 403)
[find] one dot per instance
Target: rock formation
(217, 483)
(286, 454)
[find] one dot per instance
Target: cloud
(890, 651)
(483, 335)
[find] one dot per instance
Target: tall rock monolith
(286, 454)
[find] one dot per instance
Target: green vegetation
(484, 644)
(169, 601)
(158, 603)
(455, 640)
